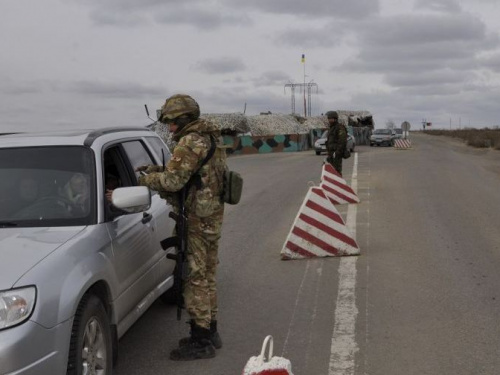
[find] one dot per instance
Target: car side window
(162, 151)
(137, 155)
(115, 175)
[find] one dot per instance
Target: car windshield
(46, 186)
(382, 131)
(325, 134)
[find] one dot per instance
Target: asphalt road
(422, 298)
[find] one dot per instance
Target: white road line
(344, 346)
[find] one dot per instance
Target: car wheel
(318, 152)
(90, 350)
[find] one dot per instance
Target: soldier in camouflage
(336, 142)
(205, 211)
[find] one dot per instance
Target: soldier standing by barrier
(204, 209)
(336, 142)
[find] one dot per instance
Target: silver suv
(80, 254)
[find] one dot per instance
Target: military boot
(198, 346)
(214, 335)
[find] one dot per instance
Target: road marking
(344, 346)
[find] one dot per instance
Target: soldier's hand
(149, 168)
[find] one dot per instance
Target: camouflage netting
(361, 122)
(271, 124)
(229, 123)
(262, 125)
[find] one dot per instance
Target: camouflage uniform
(204, 209)
(336, 144)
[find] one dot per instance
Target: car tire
(318, 152)
(90, 349)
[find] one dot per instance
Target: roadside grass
(479, 138)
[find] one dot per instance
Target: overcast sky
(95, 63)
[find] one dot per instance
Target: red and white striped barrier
(402, 144)
(335, 187)
(318, 230)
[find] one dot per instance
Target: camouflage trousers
(336, 162)
(200, 291)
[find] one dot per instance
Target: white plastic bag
(267, 365)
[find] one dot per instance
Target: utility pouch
(233, 186)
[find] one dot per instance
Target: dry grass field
(480, 138)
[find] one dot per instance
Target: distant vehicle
(78, 266)
(381, 137)
(320, 144)
(399, 133)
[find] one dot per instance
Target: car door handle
(146, 218)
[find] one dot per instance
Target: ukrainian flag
(303, 59)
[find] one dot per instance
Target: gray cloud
(271, 78)
(491, 62)
(433, 77)
(448, 6)
(319, 8)
(220, 65)
(310, 37)
(206, 20)
(21, 88)
(398, 46)
(110, 89)
(422, 29)
(130, 13)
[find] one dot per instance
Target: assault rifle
(180, 242)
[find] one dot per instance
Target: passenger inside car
(76, 192)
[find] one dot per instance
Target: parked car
(77, 270)
(398, 133)
(381, 137)
(320, 144)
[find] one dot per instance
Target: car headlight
(16, 306)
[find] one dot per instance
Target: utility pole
(309, 87)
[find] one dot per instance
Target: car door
(160, 209)
(133, 236)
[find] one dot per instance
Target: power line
(309, 86)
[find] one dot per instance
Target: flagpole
(304, 87)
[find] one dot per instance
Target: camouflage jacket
(204, 201)
(337, 139)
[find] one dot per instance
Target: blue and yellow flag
(303, 59)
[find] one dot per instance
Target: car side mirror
(132, 199)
